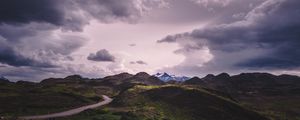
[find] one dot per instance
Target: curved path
(69, 112)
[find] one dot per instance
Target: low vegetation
(31, 99)
(141, 97)
(180, 103)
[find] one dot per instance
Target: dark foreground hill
(26, 98)
(248, 96)
(58, 94)
(251, 83)
(181, 103)
(275, 96)
(144, 102)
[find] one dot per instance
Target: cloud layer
(42, 35)
(267, 38)
(101, 56)
(73, 14)
(42, 38)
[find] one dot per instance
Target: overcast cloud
(101, 56)
(40, 34)
(94, 38)
(266, 39)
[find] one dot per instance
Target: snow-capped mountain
(3, 78)
(166, 77)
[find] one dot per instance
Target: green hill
(144, 97)
(179, 103)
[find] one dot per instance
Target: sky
(95, 38)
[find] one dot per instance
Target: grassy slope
(169, 103)
(140, 102)
(277, 108)
(32, 99)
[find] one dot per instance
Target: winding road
(69, 112)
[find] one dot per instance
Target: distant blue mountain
(167, 77)
(3, 78)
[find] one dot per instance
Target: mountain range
(3, 78)
(166, 77)
(246, 96)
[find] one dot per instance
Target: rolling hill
(275, 96)
(247, 96)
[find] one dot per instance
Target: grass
(139, 102)
(275, 108)
(97, 114)
(19, 100)
(173, 102)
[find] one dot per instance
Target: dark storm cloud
(28, 26)
(267, 38)
(35, 45)
(101, 56)
(26, 11)
(203, 11)
(15, 33)
(33, 32)
(72, 14)
(10, 57)
(138, 62)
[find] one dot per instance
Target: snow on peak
(3, 78)
(167, 77)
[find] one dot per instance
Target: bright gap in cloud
(117, 39)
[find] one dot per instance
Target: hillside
(275, 96)
(145, 97)
(24, 98)
(143, 102)
(180, 103)
(58, 94)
